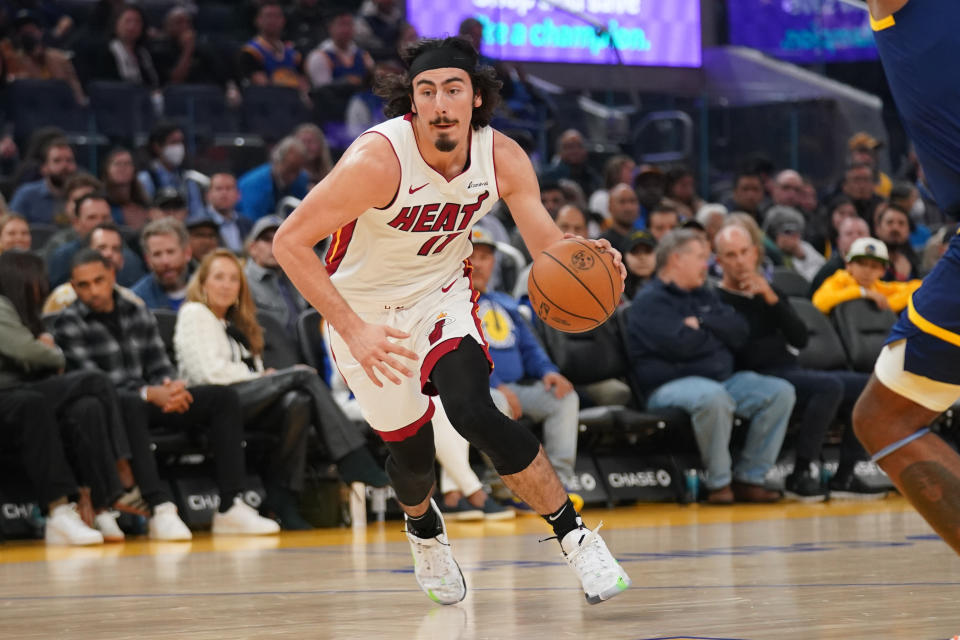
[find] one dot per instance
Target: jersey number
(431, 247)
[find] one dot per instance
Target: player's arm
(519, 188)
(880, 9)
(367, 175)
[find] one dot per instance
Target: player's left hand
(558, 384)
(603, 246)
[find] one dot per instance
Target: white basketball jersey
(390, 258)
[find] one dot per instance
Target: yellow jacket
(841, 287)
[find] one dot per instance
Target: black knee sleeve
(463, 381)
(410, 466)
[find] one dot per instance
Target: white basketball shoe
(600, 574)
(434, 566)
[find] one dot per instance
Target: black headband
(441, 58)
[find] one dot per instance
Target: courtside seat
(790, 282)
(863, 329)
(824, 350)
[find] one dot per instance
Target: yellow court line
(630, 517)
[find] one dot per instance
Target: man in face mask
(32, 59)
(38, 201)
(168, 155)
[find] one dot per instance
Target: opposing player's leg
(461, 378)
(890, 421)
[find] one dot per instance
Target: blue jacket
(152, 294)
(61, 260)
(259, 195)
(515, 351)
(662, 348)
(35, 202)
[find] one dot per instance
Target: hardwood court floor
(844, 571)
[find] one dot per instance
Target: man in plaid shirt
(103, 330)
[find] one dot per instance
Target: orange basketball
(573, 287)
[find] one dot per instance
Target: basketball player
(397, 299)
(917, 375)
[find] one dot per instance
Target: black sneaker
(804, 486)
(853, 488)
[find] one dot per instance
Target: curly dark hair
(397, 90)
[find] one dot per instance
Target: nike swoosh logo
(412, 190)
(447, 288)
(553, 518)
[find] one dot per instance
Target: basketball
(574, 287)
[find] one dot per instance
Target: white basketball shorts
(932, 394)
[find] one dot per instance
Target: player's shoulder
(373, 152)
(510, 162)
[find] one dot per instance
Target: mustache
(443, 120)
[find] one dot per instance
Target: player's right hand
(371, 347)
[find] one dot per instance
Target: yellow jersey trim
(928, 327)
(883, 23)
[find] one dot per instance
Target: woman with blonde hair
(218, 341)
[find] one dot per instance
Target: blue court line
(310, 592)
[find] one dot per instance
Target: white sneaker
(106, 523)
(243, 520)
(167, 525)
(64, 526)
(600, 574)
(434, 566)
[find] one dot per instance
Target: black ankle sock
(426, 526)
(844, 470)
(564, 520)
(802, 465)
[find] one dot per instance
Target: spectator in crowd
(305, 24)
(822, 230)
(936, 246)
(126, 56)
(624, 213)
(650, 185)
(776, 333)
(31, 414)
(681, 339)
(809, 202)
(29, 57)
(204, 237)
(263, 188)
(338, 59)
(104, 331)
(79, 184)
(105, 239)
(14, 232)
(267, 59)
(222, 199)
(181, 56)
(552, 197)
(748, 195)
(618, 168)
(365, 107)
(849, 229)
(680, 187)
(867, 261)
(864, 148)
(168, 203)
(571, 163)
(711, 217)
(893, 227)
(127, 197)
(524, 380)
(641, 261)
(166, 247)
(28, 170)
(318, 162)
(167, 152)
(662, 219)
(272, 291)
(770, 255)
(858, 186)
(91, 210)
(39, 200)
(906, 197)
(573, 220)
(218, 341)
(785, 226)
(378, 27)
(787, 188)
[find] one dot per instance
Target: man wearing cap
(272, 291)
(399, 308)
(863, 148)
(867, 261)
(641, 260)
(168, 203)
(848, 230)
(204, 236)
(784, 225)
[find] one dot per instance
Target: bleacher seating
(824, 349)
(863, 329)
(200, 109)
(790, 282)
(273, 112)
(310, 338)
(123, 111)
(32, 104)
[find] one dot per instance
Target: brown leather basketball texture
(573, 287)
